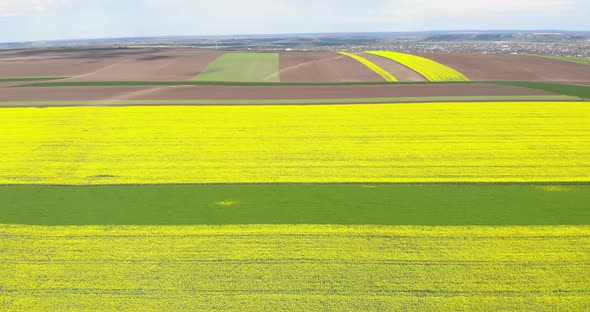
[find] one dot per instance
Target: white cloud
(448, 8)
(121, 18)
(382, 15)
(20, 7)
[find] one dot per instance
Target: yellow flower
(294, 267)
(372, 66)
(437, 142)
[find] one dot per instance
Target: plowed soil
(512, 67)
(66, 93)
(107, 64)
(399, 71)
(323, 67)
(256, 92)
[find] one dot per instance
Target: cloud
(349, 15)
(129, 18)
(463, 7)
(20, 7)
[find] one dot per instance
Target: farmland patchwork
(143, 199)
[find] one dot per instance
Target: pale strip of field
(243, 67)
(579, 60)
(286, 267)
(3, 79)
(359, 101)
(372, 66)
(428, 68)
(440, 142)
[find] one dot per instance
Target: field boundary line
(261, 102)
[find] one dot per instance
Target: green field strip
(579, 60)
(558, 88)
(372, 66)
(389, 204)
(10, 79)
(243, 67)
(431, 99)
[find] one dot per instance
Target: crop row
(258, 267)
(431, 70)
(372, 66)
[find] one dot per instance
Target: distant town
(557, 43)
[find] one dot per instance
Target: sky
(31, 20)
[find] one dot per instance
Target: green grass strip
(392, 204)
(10, 79)
(579, 60)
(372, 66)
(245, 67)
(292, 101)
(565, 89)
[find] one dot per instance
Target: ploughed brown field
(512, 67)
(108, 64)
(257, 92)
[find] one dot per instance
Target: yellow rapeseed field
(289, 267)
(431, 70)
(441, 142)
(372, 66)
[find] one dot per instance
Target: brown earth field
(108, 64)
(257, 92)
(10, 84)
(512, 67)
(399, 71)
(62, 62)
(323, 67)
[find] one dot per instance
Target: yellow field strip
(431, 70)
(372, 66)
(286, 267)
(442, 142)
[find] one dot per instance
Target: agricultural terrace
(372, 66)
(430, 69)
(245, 67)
